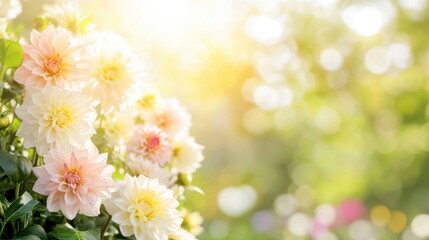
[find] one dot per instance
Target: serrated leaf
(11, 54)
(34, 230)
(62, 232)
(18, 168)
(20, 207)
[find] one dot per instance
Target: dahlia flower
(192, 222)
(68, 16)
(151, 143)
(116, 75)
(52, 59)
(75, 182)
(182, 235)
(187, 154)
(149, 105)
(55, 118)
(144, 208)
(138, 165)
(119, 127)
(173, 118)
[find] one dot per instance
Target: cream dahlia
(139, 165)
(54, 118)
(192, 221)
(144, 208)
(119, 127)
(116, 74)
(173, 118)
(52, 59)
(182, 235)
(187, 154)
(68, 16)
(149, 105)
(75, 182)
(151, 143)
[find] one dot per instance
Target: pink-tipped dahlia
(52, 58)
(75, 182)
(152, 144)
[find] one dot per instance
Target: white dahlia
(144, 208)
(54, 118)
(116, 75)
(138, 165)
(187, 154)
(149, 105)
(182, 234)
(173, 118)
(68, 15)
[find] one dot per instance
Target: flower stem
(35, 158)
(109, 219)
(2, 228)
(101, 120)
(17, 189)
(2, 73)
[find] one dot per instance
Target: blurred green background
(313, 113)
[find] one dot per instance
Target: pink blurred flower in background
(350, 211)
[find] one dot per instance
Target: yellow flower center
(58, 118)
(143, 211)
(147, 101)
(53, 66)
(109, 73)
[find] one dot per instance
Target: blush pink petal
(70, 184)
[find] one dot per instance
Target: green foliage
(20, 207)
(28, 237)
(11, 54)
(63, 232)
(33, 232)
(17, 168)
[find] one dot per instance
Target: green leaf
(6, 184)
(4, 201)
(28, 237)
(18, 168)
(11, 54)
(34, 230)
(20, 207)
(65, 233)
(4, 204)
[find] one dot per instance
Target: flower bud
(184, 179)
(40, 23)
(4, 121)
